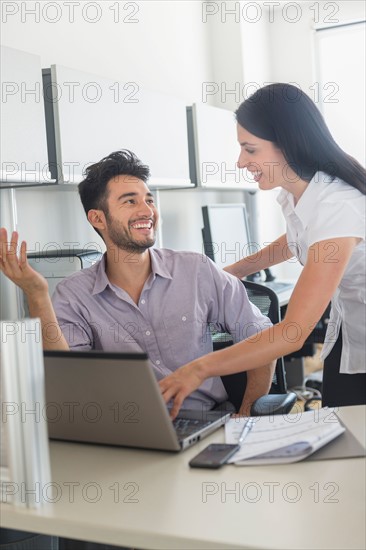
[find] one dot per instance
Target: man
(139, 297)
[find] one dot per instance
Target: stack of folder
(25, 464)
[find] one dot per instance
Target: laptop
(114, 399)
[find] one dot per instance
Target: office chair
(278, 401)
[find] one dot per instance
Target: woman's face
(265, 161)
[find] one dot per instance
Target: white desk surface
(284, 295)
(164, 504)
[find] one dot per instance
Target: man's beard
(123, 240)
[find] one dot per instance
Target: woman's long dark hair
(285, 115)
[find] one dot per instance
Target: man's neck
(128, 270)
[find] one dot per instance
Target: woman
(285, 143)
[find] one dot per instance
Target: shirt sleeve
(231, 310)
(71, 318)
(337, 219)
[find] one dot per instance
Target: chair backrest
(267, 302)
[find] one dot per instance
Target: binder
(280, 439)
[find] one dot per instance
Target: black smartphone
(213, 456)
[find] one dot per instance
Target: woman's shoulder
(335, 190)
(338, 211)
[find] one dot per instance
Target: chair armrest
(281, 403)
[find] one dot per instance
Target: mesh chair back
(265, 299)
(267, 302)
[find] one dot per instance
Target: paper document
(313, 429)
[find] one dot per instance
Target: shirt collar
(157, 268)
(101, 279)
(305, 206)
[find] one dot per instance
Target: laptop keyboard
(277, 286)
(187, 426)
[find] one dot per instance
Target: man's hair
(93, 189)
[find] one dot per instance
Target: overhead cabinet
(214, 149)
(94, 116)
(23, 143)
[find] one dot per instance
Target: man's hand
(35, 287)
(180, 384)
(17, 269)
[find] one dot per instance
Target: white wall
(292, 42)
(166, 49)
(227, 61)
(292, 59)
(169, 48)
(181, 210)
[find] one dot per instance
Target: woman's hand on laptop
(178, 385)
(17, 268)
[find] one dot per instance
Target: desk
(153, 500)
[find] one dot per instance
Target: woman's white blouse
(330, 208)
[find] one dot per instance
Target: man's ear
(97, 219)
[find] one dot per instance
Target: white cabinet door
(95, 116)
(23, 140)
(216, 149)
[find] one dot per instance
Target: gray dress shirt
(184, 295)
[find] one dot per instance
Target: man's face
(131, 215)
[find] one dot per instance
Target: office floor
(314, 363)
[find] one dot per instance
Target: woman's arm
(316, 285)
(34, 286)
(273, 254)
